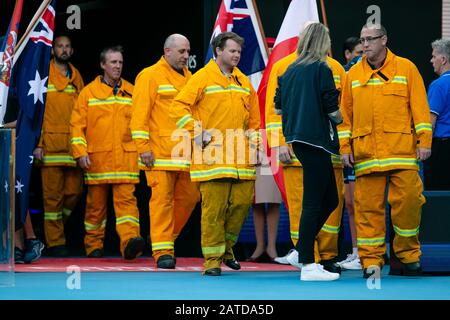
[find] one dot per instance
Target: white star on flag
(6, 186)
(38, 88)
(19, 186)
(31, 159)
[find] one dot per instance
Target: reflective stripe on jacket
(100, 129)
(151, 126)
(224, 106)
(62, 93)
(385, 120)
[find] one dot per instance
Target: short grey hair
(105, 51)
(376, 26)
(442, 46)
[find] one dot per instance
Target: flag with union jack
(29, 84)
(240, 16)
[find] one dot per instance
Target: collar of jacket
(388, 68)
(59, 80)
(181, 79)
(102, 91)
(220, 79)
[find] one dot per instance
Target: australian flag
(29, 82)
(240, 17)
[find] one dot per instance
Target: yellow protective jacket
(100, 128)
(274, 130)
(62, 93)
(224, 106)
(151, 126)
(385, 120)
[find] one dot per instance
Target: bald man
(174, 196)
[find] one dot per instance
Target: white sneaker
(283, 260)
(316, 272)
(292, 258)
(352, 262)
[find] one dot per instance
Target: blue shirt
(352, 62)
(439, 101)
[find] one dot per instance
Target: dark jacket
(306, 94)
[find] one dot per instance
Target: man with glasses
(386, 132)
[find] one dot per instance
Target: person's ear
(347, 54)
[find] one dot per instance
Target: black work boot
(166, 261)
(232, 264)
(135, 247)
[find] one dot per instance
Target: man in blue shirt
(352, 51)
(437, 168)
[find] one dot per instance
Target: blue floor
(230, 286)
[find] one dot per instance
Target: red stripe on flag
(42, 39)
(281, 50)
(49, 17)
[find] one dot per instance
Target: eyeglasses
(369, 39)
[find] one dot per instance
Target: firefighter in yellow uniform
(223, 102)
(174, 196)
(61, 178)
(326, 244)
(387, 130)
(103, 147)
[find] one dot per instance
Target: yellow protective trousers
(326, 244)
(126, 211)
(225, 206)
(405, 198)
(174, 197)
(61, 189)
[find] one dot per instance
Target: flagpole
(258, 18)
(324, 18)
(20, 45)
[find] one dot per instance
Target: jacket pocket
(168, 146)
(362, 143)
(400, 139)
(167, 95)
(129, 146)
(395, 102)
(56, 142)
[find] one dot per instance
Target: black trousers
(320, 196)
(437, 167)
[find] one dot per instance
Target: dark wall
(138, 29)
(411, 25)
